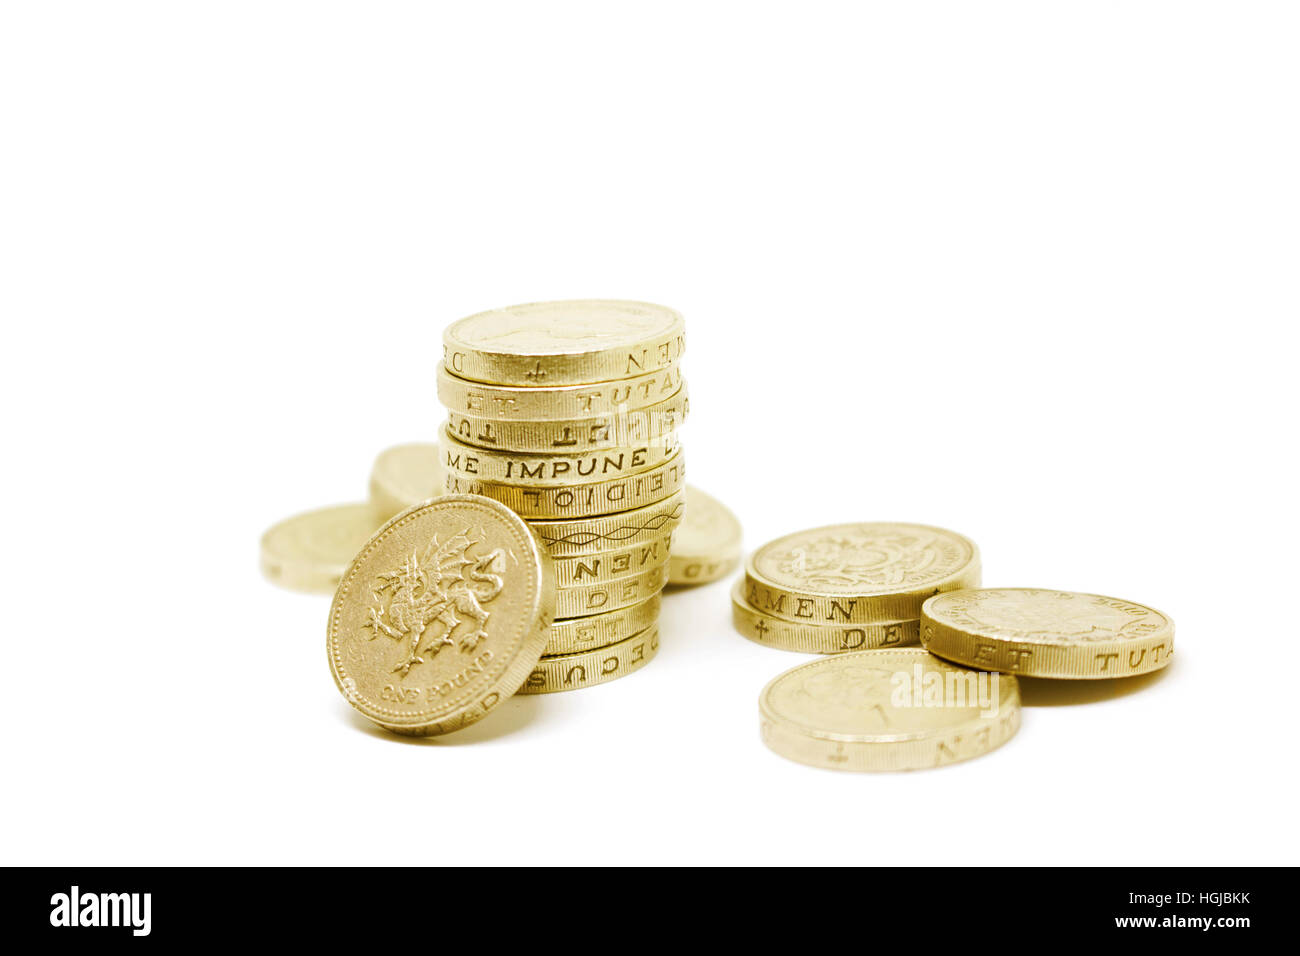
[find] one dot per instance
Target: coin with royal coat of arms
(1045, 633)
(860, 573)
(441, 615)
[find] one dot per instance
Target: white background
(1025, 270)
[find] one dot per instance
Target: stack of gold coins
(567, 412)
(849, 587)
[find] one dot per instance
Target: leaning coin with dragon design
(442, 615)
(863, 573)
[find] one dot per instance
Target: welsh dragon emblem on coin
(447, 584)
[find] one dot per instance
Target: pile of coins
(860, 592)
(567, 413)
(527, 552)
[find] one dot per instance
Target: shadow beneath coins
(1045, 692)
(512, 715)
(670, 589)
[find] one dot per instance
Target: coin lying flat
(653, 425)
(508, 467)
(817, 638)
(405, 475)
(310, 551)
(589, 668)
(706, 545)
(571, 635)
(858, 573)
(1041, 633)
(592, 535)
(887, 710)
(541, 403)
(584, 500)
(564, 343)
(441, 615)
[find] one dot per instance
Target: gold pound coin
(584, 536)
(653, 425)
(572, 635)
(586, 500)
(706, 546)
(887, 710)
(862, 573)
(1039, 633)
(583, 599)
(614, 564)
(405, 475)
(441, 616)
(506, 404)
(589, 668)
(310, 551)
(817, 638)
(560, 470)
(564, 343)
